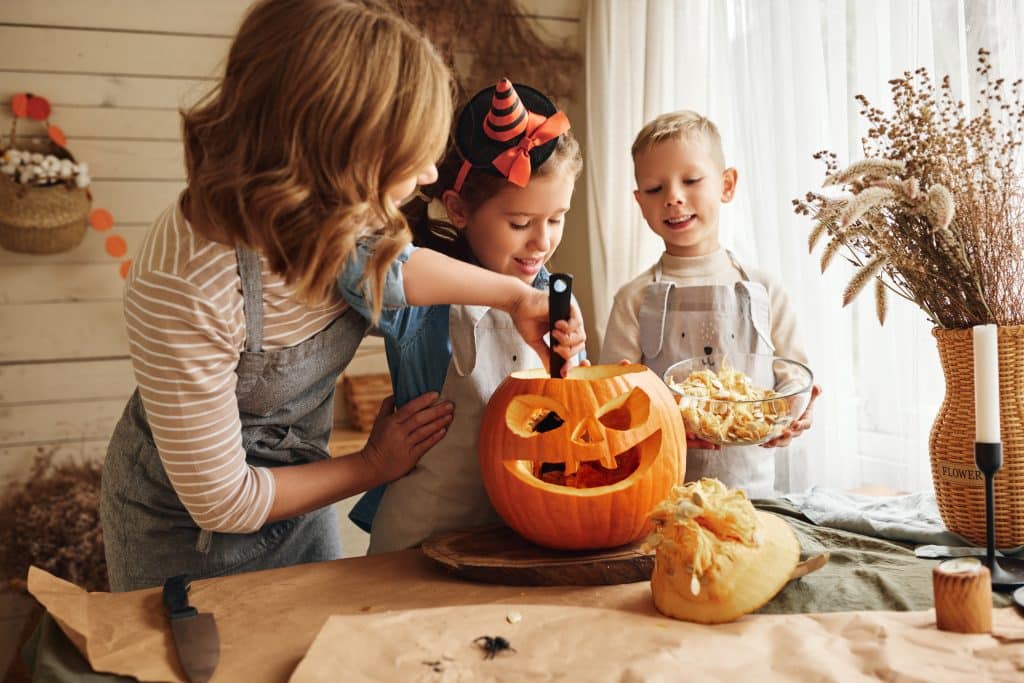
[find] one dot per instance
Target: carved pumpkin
(578, 463)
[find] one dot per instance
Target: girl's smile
(517, 230)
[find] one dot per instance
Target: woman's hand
(530, 314)
(400, 437)
(800, 425)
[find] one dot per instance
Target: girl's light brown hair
(478, 187)
(323, 106)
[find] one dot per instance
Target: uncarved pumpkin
(578, 463)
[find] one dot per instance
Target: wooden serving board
(499, 555)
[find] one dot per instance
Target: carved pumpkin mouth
(591, 478)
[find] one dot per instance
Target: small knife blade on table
(195, 633)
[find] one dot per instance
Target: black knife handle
(176, 597)
(559, 303)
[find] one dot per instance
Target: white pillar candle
(986, 384)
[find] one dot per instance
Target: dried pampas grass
(935, 214)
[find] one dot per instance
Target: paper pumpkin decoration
(19, 105)
(716, 557)
(38, 108)
(577, 463)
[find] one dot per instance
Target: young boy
(698, 299)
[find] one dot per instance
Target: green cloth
(863, 573)
(51, 657)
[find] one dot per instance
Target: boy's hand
(530, 315)
(800, 425)
(400, 437)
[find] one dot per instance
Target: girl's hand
(571, 338)
(798, 426)
(400, 437)
(530, 314)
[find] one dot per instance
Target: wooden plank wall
(116, 72)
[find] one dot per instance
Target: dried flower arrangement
(51, 520)
(935, 213)
(35, 168)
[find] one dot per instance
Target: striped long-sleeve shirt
(186, 330)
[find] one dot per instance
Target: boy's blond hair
(680, 125)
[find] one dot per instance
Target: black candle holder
(1007, 573)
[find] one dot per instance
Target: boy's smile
(680, 190)
(680, 222)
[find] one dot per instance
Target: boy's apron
(680, 322)
(444, 491)
(285, 400)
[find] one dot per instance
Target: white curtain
(779, 78)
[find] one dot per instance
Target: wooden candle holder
(963, 596)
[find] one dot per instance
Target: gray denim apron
(679, 322)
(285, 400)
(444, 491)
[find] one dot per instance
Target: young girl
(236, 331)
(505, 189)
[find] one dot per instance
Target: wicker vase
(959, 486)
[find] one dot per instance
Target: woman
(236, 329)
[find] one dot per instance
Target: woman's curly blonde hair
(323, 106)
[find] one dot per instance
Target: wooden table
(268, 620)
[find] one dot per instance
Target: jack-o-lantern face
(578, 463)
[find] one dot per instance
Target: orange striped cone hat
(508, 130)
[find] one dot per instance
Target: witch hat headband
(507, 131)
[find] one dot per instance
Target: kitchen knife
(559, 302)
(195, 633)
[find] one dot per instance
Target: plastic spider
(493, 645)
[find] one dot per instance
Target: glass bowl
(759, 416)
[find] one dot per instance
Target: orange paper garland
(38, 108)
(19, 105)
(101, 219)
(116, 246)
(57, 135)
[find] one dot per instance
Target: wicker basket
(362, 395)
(42, 220)
(959, 486)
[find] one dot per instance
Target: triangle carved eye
(588, 431)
